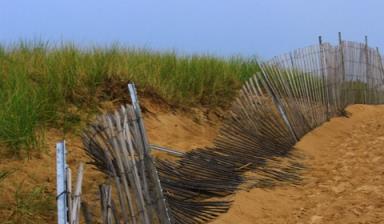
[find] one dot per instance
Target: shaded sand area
(343, 183)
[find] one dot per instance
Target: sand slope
(176, 129)
(344, 182)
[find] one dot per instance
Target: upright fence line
(331, 78)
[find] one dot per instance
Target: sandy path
(344, 182)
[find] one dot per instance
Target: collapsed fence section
(293, 94)
(118, 146)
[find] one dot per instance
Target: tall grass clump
(39, 81)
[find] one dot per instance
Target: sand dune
(344, 182)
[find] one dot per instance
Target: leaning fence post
(159, 191)
(61, 183)
(278, 104)
(136, 107)
(76, 206)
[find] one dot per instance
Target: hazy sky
(223, 27)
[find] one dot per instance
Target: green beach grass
(39, 81)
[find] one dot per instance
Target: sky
(262, 28)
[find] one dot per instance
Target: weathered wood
(69, 193)
(167, 150)
(106, 203)
(76, 197)
(162, 206)
(294, 94)
(61, 183)
(86, 213)
(68, 201)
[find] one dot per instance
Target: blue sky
(222, 27)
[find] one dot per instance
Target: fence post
(62, 205)
(323, 64)
(342, 93)
(341, 47)
(367, 72)
(381, 68)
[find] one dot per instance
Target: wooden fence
(119, 147)
(293, 94)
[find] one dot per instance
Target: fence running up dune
(311, 85)
(293, 94)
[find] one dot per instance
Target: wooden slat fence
(293, 94)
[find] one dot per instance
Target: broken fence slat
(167, 150)
(76, 199)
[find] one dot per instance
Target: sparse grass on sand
(39, 83)
(28, 205)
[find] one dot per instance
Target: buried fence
(293, 94)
